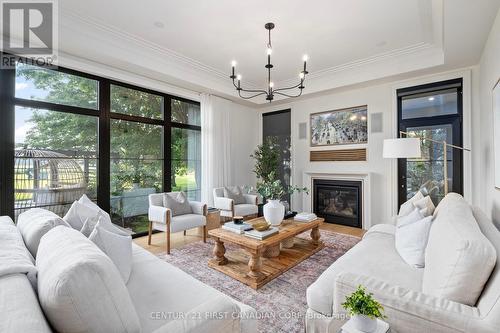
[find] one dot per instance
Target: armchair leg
(168, 240)
(150, 227)
(204, 234)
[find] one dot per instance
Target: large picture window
(69, 133)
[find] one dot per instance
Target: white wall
(489, 73)
(380, 99)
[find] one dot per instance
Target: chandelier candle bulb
(233, 65)
(270, 92)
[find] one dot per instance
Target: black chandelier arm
(293, 87)
(249, 97)
(249, 90)
(286, 95)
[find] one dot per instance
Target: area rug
(281, 304)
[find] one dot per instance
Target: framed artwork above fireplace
(339, 127)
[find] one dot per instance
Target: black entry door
(432, 111)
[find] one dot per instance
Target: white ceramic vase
(364, 323)
(274, 212)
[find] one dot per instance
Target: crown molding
(108, 45)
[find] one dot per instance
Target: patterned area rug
(281, 304)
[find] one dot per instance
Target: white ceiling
(192, 42)
(215, 32)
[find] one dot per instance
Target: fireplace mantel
(309, 176)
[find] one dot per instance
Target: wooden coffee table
(257, 262)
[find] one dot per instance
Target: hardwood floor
(159, 242)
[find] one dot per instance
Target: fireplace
(338, 201)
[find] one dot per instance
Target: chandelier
(271, 91)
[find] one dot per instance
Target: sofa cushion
(35, 223)
(374, 256)
(169, 290)
(79, 288)
(19, 307)
(14, 256)
(177, 202)
(459, 258)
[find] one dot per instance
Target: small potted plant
(364, 310)
(273, 190)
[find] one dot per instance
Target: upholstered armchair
(161, 218)
(246, 206)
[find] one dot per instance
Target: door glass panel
(136, 171)
(186, 162)
(427, 172)
(51, 171)
(430, 104)
(136, 102)
(42, 84)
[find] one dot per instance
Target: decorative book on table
(262, 234)
(382, 327)
(305, 217)
(237, 228)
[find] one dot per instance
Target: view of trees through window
(136, 144)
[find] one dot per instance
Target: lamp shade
(402, 148)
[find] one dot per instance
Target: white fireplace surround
(309, 177)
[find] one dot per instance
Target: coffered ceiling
(190, 43)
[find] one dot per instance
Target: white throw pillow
(459, 258)
(84, 200)
(412, 234)
(408, 206)
(79, 288)
(78, 214)
(117, 247)
(90, 224)
(425, 204)
(35, 223)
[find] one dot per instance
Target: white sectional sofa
(457, 230)
(78, 289)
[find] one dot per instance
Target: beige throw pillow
(177, 202)
(234, 193)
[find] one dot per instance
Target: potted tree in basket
(273, 190)
(364, 310)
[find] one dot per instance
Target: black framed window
(432, 111)
(66, 133)
(277, 124)
(186, 148)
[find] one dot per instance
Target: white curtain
(215, 145)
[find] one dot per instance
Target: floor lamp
(409, 147)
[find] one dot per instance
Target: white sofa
(229, 209)
(76, 282)
(375, 263)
